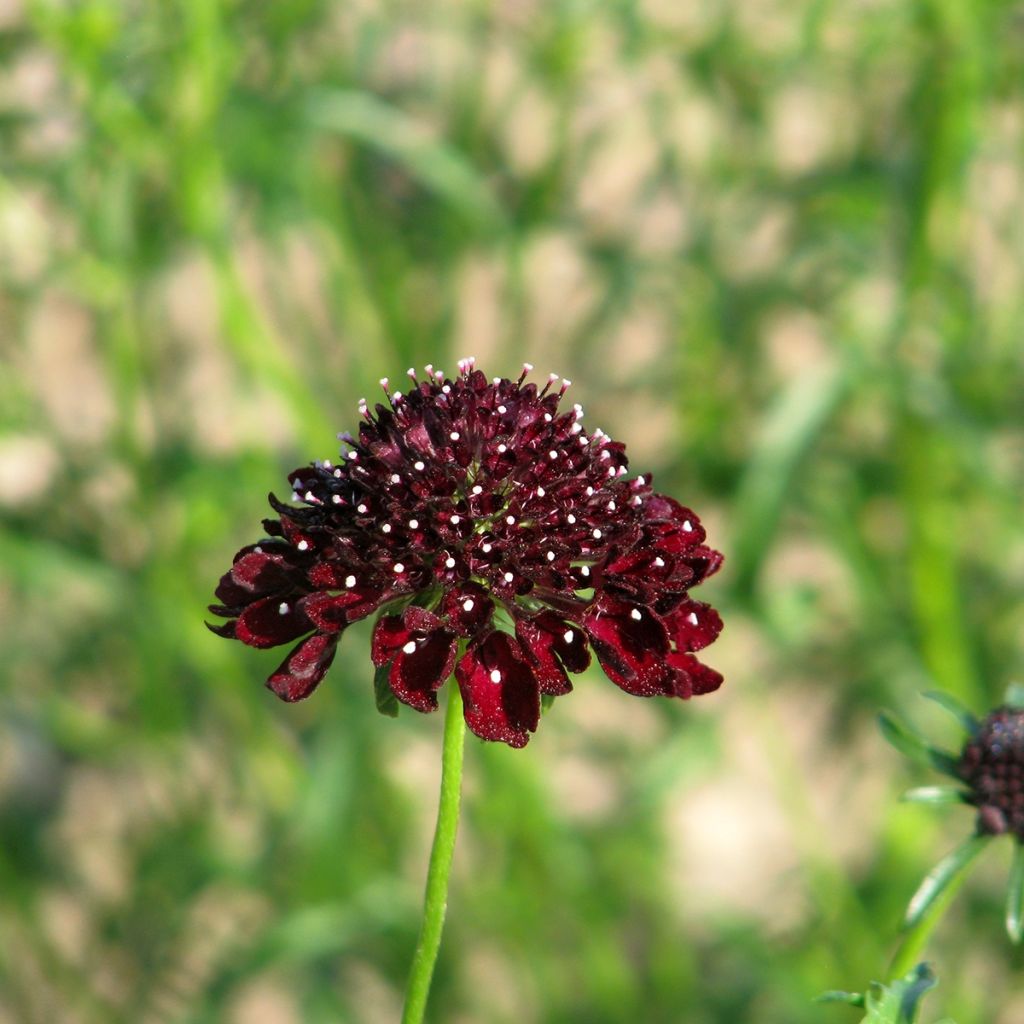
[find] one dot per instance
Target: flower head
(992, 766)
(498, 538)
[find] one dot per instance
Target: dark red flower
(499, 539)
(992, 766)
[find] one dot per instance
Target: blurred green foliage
(779, 248)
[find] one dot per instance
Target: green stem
(436, 899)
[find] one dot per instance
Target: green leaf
(1014, 695)
(435, 163)
(850, 998)
(911, 744)
(942, 878)
(387, 702)
(1015, 896)
(960, 711)
(934, 795)
(547, 701)
(895, 1003)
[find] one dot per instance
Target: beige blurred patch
(28, 465)
(27, 234)
(869, 306)
(695, 21)
(68, 924)
(661, 225)
(600, 713)
(794, 344)
(583, 790)
(479, 328)
(65, 370)
(264, 1001)
(12, 13)
(754, 237)
(768, 27)
(696, 130)
(528, 131)
(369, 992)
(496, 988)
(802, 128)
(560, 290)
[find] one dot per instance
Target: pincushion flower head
(498, 540)
(989, 776)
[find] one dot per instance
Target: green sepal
(911, 744)
(1014, 696)
(934, 795)
(387, 702)
(946, 874)
(895, 1003)
(958, 710)
(547, 700)
(1015, 896)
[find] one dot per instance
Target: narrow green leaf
(1014, 695)
(960, 711)
(913, 745)
(934, 795)
(547, 701)
(850, 998)
(387, 702)
(945, 874)
(1015, 896)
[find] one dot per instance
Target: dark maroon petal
(331, 613)
(388, 637)
(225, 629)
(467, 608)
(299, 673)
(271, 621)
(703, 562)
(416, 674)
(693, 625)
(691, 677)
(419, 620)
(537, 649)
(499, 690)
(631, 643)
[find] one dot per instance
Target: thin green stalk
(436, 898)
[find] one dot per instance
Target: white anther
(687, 525)
(568, 636)
(327, 463)
(570, 519)
(552, 454)
(547, 417)
(611, 506)
(414, 524)
(384, 382)
(495, 380)
(692, 618)
(566, 383)
(353, 456)
(636, 614)
(386, 528)
(585, 570)
(502, 410)
(640, 481)
(606, 454)
(584, 440)
(419, 467)
(495, 676)
(503, 448)
(399, 567)
(455, 435)
(396, 396)
(528, 367)
(486, 548)
(336, 498)
(296, 496)
(638, 500)
(509, 577)
(449, 563)
(551, 556)
(303, 545)
(541, 492)
(456, 520)
(410, 647)
(446, 390)
(611, 471)
(478, 489)
(468, 604)
(622, 471)
(361, 508)
(257, 550)
(597, 534)
(590, 492)
(552, 377)
(350, 581)
(659, 561)
(283, 608)
(511, 520)
(337, 473)
(575, 428)
(395, 478)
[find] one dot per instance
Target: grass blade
(1015, 896)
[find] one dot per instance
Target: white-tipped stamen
(395, 478)
(495, 675)
(468, 604)
(414, 524)
(687, 525)
(398, 567)
(350, 582)
(303, 545)
(692, 618)
(419, 466)
(636, 614)
(283, 608)
(410, 647)
(509, 577)
(449, 563)
(568, 636)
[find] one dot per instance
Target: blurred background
(779, 247)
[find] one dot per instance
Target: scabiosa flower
(498, 539)
(989, 772)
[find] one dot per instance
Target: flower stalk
(435, 900)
